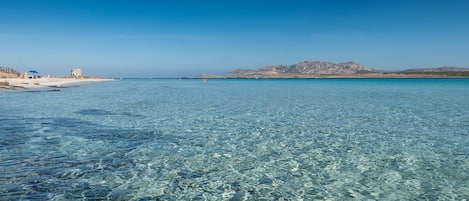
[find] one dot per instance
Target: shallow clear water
(306, 139)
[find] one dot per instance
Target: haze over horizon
(123, 38)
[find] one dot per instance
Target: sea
(237, 139)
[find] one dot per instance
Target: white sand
(42, 82)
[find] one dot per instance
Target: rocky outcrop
(304, 68)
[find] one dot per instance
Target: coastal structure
(8, 73)
(76, 73)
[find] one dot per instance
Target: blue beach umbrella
(33, 71)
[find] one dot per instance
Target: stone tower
(76, 73)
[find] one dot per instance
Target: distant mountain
(436, 70)
(304, 68)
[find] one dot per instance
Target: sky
(174, 38)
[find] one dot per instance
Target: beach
(21, 83)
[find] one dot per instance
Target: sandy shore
(19, 83)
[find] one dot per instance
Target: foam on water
(323, 139)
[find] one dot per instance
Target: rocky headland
(436, 70)
(304, 68)
(325, 69)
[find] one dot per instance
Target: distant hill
(304, 68)
(436, 70)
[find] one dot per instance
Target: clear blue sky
(134, 38)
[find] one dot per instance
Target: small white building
(76, 73)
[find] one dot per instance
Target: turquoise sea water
(305, 139)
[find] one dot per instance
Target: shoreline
(22, 83)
